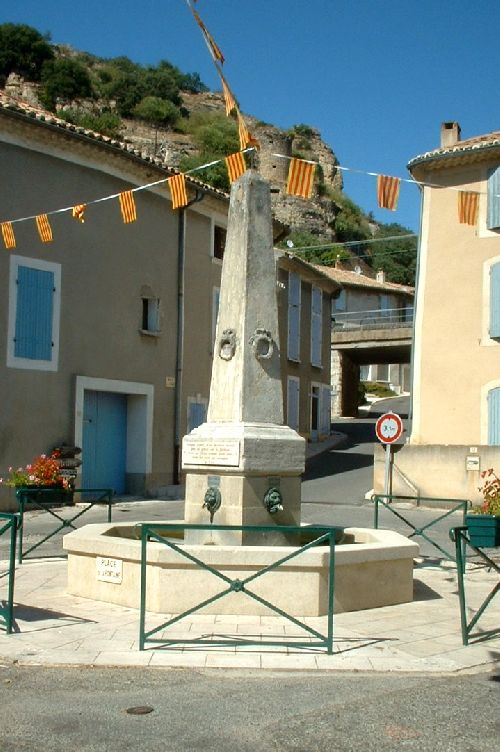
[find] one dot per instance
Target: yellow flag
(9, 238)
(388, 192)
(300, 178)
(79, 212)
(236, 166)
(468, 207)
(246, 138)
(177, 187)
(44, 228)
(127, 205)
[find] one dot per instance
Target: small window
(150, 315)
(34, 306)
(493, 213)
(219, 242)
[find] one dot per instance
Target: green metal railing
(461, 539)
(322, 535)
(46, 498)
(8, 525)
(456, 505)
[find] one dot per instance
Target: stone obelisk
(243, 465)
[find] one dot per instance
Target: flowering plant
(491, 493)
(43, 471)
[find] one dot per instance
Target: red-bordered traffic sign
(389, 428)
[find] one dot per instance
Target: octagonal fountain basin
(373, 568)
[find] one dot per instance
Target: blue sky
(376, 77)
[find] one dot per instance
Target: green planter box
(484, 530)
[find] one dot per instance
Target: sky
(375, 77)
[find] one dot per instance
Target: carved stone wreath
(262, 344)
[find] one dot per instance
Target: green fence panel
(323, 535)
(387, 501)
(8, 526)
(461, 539)
(46, 498)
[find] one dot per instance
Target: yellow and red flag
(236, 166)
(211, 43)
(468, 207)
(177, 187)
(300, 178)
(388, 192)
(246, 138)
(44, 228)
(229, 99)
(127, 206)
(79, 212)
(9, 238)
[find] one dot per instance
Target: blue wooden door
(104, 445)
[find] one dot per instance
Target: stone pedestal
(243, 465)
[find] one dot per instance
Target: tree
(397, 258)
(157, 112)
(23, 50)
(64, 78)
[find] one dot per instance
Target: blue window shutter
(293, 316)
(493, 217)
(35, 297)
(196, 415)
(494, 417)
(495, 300)
(316, 328)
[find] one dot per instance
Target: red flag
(468, 207)
(9, 238)
(236, 166)
(228, 96)
(44, 228)
(300, 178)
(177, 186)
(127, 206)
(388, 192)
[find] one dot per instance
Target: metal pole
(387, 473)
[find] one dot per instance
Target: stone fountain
(243, 467)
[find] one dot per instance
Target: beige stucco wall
(455, 362)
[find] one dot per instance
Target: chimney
(450, 133)
(380, 276)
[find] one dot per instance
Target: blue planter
(483, 529)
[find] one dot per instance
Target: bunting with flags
(177, 187)
(300, 178)
(9, 239)
(468, 207)
(79, 212)
(236, 166)
(211, 43)
(388, 192)
(44, 228)
(127, 206)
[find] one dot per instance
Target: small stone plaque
(109, 570)
(224, 452)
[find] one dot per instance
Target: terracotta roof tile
(466, 147)
(354, 279)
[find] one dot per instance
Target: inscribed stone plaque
(109, 570)
(211, 452)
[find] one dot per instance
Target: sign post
(389, 428)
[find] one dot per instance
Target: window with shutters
(293, 342)
(494, 329)
(494, 417)
(493, 211)
(293, 402)
(34, 305)
(316, 325)
(197, 412)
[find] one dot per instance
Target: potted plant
(43, 474)
(483, 522)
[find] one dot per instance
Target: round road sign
(389, 428)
